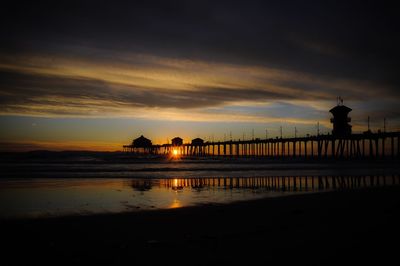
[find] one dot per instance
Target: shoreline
(330, 227)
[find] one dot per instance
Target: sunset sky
(94, 75)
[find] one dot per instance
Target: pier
(341, 143)
(367, 145)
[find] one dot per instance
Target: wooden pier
(367, 145)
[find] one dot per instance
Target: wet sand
(331, 228)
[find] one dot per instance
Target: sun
(175, 153)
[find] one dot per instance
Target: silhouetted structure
(142, 142)
(340, 120)
(177, 141)
(197, 141)
(340, 144)
(197, 147)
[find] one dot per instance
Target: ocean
(81, 185)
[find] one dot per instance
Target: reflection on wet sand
(279, 183)
(142, 184)
(58, 197)
(175, 204)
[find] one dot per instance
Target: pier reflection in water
(280, 183)
(81, 196)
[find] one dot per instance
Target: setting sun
(175, 152)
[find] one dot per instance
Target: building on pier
(340, 120)
(197, 142)
(141, 145)
(177, 141)
(142, 142)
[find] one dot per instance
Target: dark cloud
(345, 39)
(67, 95)
(353, 41)
(58, 94)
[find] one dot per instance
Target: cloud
(150, 87)
(53, 84)
(348, 40)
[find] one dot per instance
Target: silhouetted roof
(177, 141)
(141, 142)
(340, 109)
(197, 141)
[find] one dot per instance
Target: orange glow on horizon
(24, 146)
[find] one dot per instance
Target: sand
(331, 228)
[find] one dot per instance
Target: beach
(331, 228)
(199, 133)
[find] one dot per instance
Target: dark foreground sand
(335, 228)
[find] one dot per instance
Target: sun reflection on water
(175, 204)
